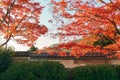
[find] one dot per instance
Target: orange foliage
(19, 21)
(117, 55)
(91, 17)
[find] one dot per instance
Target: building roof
(45, 55)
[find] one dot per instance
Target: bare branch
(7, 40)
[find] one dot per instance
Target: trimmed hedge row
(35, 71)
(99, 72)
(83, 73)
(47, 70)
(117, 68)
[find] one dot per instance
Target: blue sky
(44, 40)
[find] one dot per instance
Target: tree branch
(9, 9)
(6, 41)
(115, 5)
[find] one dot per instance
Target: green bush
(99, 72)
(35, 71)
(117, 68)
(33, 48)
(83, 73)
(18, 71)
(105, 72)
(5, 58)
(53, 71)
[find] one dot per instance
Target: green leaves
(98, 72)
(33, 48)
(5, 58)
(35, 71)
(103, 43)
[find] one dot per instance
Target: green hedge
(105, 72)
(46, 70)
(117, 68)
(83, 73)
(100, 72)
(35, 71)
(5, 58)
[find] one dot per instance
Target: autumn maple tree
(87, 18)
(19, 21)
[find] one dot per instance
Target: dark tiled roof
(95, 55)
(22, 54)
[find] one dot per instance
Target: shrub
(33, 48)
(82, 73)
(35, 71)
(5, 58)
(99, 72)
(105, 72)
(53, 71)
(117, 68)
(18, 71)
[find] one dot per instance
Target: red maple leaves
(19, 21)
(88, 18)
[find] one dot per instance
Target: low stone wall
(68, 61)
(114, 61)
(20, 58)
(75, 63)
